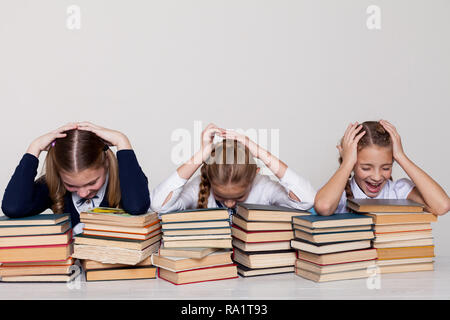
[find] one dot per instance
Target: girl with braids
(81, 173)
(228, 176)
(368, 150)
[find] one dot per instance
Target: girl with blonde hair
(229, 176)
(81, 173)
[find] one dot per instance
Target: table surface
(411, 285)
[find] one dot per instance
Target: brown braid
(205, 187)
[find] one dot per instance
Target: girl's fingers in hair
(387, 125)
(349, 131)
(347, 139)
(390, 129)
(359, 136)
(355, 132)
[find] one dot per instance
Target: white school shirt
(88, 204)
(399, 189)
(264, 191)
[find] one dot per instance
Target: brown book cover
(398, 218)
(36, 253)
(123, 273)
(405, 252)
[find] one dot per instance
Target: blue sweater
(25, 197)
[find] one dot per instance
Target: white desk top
(413, 285)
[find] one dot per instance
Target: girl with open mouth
(368, 151)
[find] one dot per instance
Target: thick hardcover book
(36, 253)
(384, 205)
(115, 242)
(36, 240)
(261, 236)
(339, 257)
(334, 236)
(344, 275)
(27, 230)
(334, 220)
(122, 273)
(254, 272)
(143, 230)
(44, 277)
(224, 272)
(265, 259)
(405, 252)
(114, 216)
(258, 212)
(193, 225)
(40, 219)
(261, 246)
(176, 264)
(196, 253)
(399, 218)
(322, 248)
(260, 225)
(195, 215)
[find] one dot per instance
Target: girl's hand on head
(243, 139)
(207, 137)
(111, 137)
(44, 142)
(397, 148)
(348, 149)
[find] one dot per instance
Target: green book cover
(333, 217)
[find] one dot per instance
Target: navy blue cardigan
(25, 197)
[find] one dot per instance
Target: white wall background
(305, 68)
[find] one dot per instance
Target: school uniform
(264, 191)
(26, 197)
(399, 189)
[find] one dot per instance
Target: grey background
(305, 68)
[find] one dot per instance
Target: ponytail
(56, 188)
(114, 195)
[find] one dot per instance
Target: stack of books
(97, 271)
(403, 233)
(261, 239)
(112, 236)
(36, 249)
(335, 247)
(196, 246)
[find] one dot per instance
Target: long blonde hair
(78, 151)
(230, 162)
